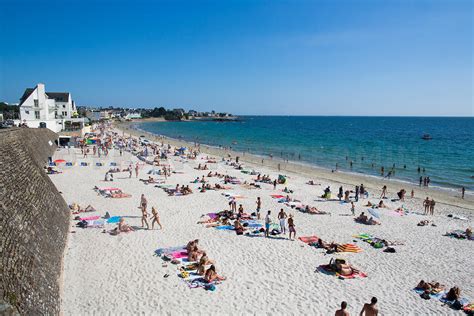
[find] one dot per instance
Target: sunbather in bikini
(156, 218)
(382, 205)
(211, 275)
(239, 229)
(343, 268)
(203, 262)
(122, 228)
(362, 218)
(453, 294)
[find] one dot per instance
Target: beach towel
(95, 223)
(114, 219)
(463, 301)
(469, 308)
(348, 248)
(89, 218)
(168, 250)
(277, 196)
(326, 269)
(309, 239)
(225, 227)
(179, 254)
(437, 296)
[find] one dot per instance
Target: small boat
(426, 137)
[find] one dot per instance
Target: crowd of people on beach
(281, 224)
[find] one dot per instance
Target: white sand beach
(122, 275)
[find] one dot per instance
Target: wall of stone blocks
(34, 223)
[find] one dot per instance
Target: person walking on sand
(342, 311)
(156, 218)
(259, 207)
(136, 170)
(357, 193)
(384, 192)
(412, 193)
(144, 218)
(291, 227)
(274, 184)
(130, 171)
(282, 218)
(426, 204)
(370, 309)
(340, 194)
(353, 208)
(463, 191)
(432, 207)
(268, 221)
(421, 180)
(143, 203)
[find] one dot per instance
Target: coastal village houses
(53, 110)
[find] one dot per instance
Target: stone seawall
(34, 223)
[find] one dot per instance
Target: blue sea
(369, 142)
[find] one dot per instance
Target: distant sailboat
(426, 137)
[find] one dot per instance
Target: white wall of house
(38, 107)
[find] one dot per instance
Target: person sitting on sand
(156, 218)
(121, 228)
(362, 218)
(203, 262)
(454, 294)
(239, 229)
(194, 254)
(382, 205)
(468, 233)
(211, 275)
(370, 309)
(286, 190)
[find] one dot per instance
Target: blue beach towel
(225, 227)
(114, 219)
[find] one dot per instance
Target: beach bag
(456, 305)
(425, 295)
(210, 287)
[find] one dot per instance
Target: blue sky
(247, 57)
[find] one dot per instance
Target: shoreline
(444, 195)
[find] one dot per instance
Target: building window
(37, 115)
(27, 112)
(36, 102)
(64, 113)
(55, 114)
(64, 106)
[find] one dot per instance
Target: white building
(55, 109)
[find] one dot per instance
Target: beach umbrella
(374, 213)
(59, 161)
